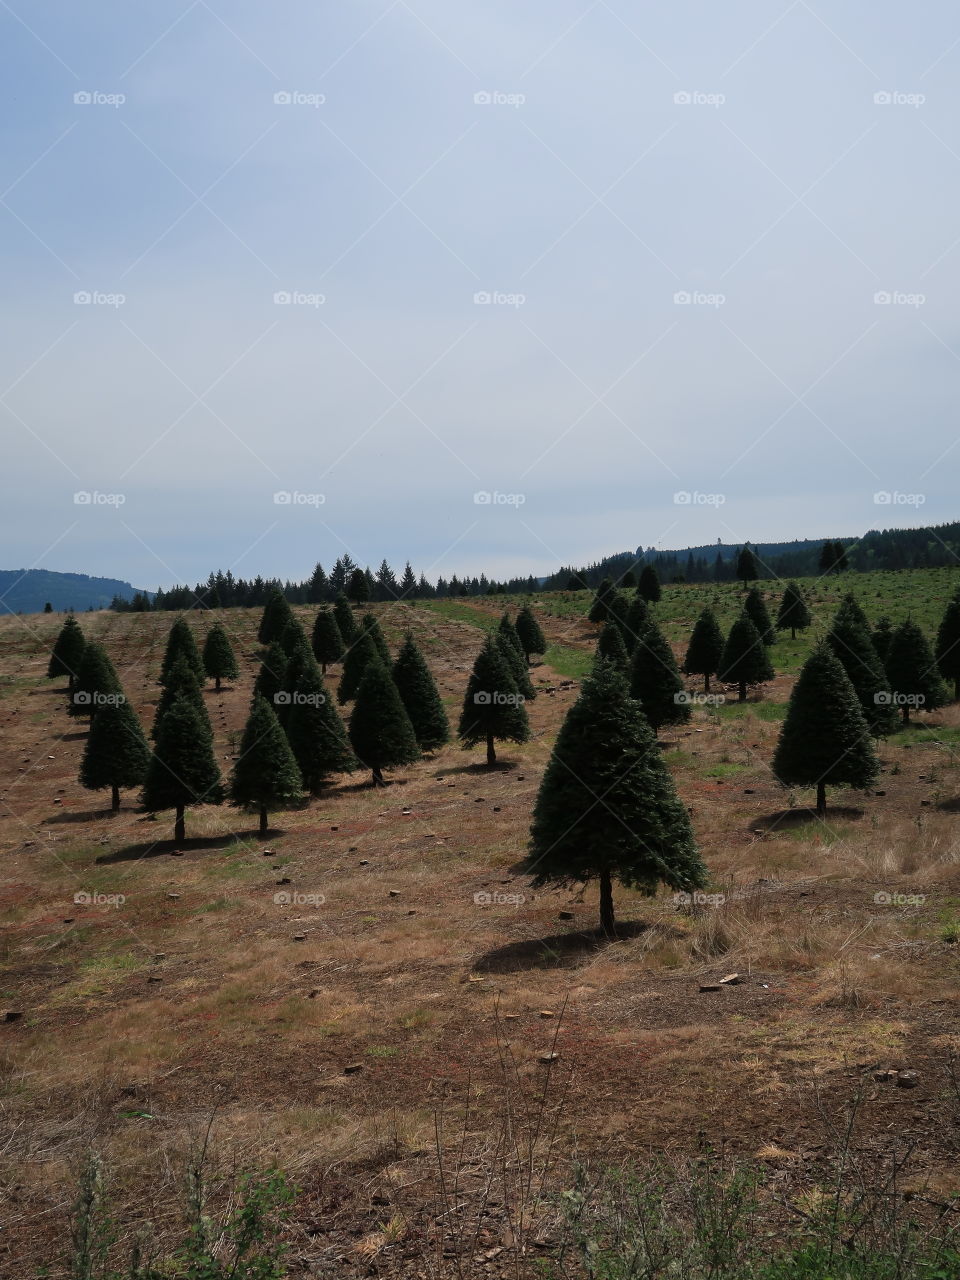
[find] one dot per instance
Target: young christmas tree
(882, 635)
(272, 676)
(705, 649)
(853, 647)
(355, 662)
(381, 734)
(299, 662)
(276, 614)
(327, 640)
(825, 739)
(516, 664)
(746, 569)
(638, 611)
(266, 775)
(116, 753)
(948, 645)
(607, 808)
(219, 662)
(744, 659)
(358, 587)
(793, 611)
(373, 629)
(316, 733)
(649, 584)
(96, 682)
(756, 607)
(611, 647)
(914, 679)
(66, 653)
(181, 682)
(618, 609)
(493, 707)
(420, 696)
(655, 681)
(598, 608)
(182, 769)
(531, 636)
(346, 622)
(292, 637)
(509, 633)
(181, 644)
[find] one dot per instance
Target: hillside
(28, 590)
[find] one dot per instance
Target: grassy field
(385, 1029)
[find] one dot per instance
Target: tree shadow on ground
(786, 819)
(85, 815)
(559, 951)
(478, 769)
(157, 848)
(949, 806)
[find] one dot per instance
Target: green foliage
(531, 635)
(327, 640)
(744, 659)
(116, 752)
(655, 680)
(492, 705)
(611, 647)
(181, 644)
(272, 676)
(346, 622)
(850, 640)
(882, 635)
(181, 682)
(599, 610)
(420, 696)
(276, 614)
(316, 733)
(517, 664)
(67, 651)
(638, 611)
(358, 588)
(381, 734)
(292, 637)
(705, 648)
(912, 670)
(649, 585)
(373, 629)
(948, 645)
(266, 775)
(219, 662)
(96, 682)
(746, 569)
(756, 608)
(793, 614)
(182, 769)
(356, 660)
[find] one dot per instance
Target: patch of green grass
(758, 710)
(383, 1051)
(572, 664)
(726, 769)
(456, 611)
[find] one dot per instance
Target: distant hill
(28, 590)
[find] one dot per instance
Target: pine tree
(850, 611)
(180, 643)
(358, 656)
(96, 683)
(493, 707)
(408, 583)
(655, 681)
(276, 614)
(272, 676)
(515, 663)
(327, 640)
(381, 734)
(66, 653)
(759, 616)
(598, 607)
(611, 647)
(316, 733)
(948, 645)
(292, 637)
(265, 775)
(705, 649)
(638, 612)
(912, 672)
(319, 588)
(358, 588)
(420, 696)
(793, 611)
(531, 636)
(618, 608)
(373, 629)
(828, 558)
(744, 660)
(649, 585)
(882, 635)
(629, 581)
(116, 753)
(219, 662)
(607, 808)
(298, 664)
(825, 740)
(851, 643)
(346, 622)
(181, 683)
(746, 569)
(509, 632)
(182, 769)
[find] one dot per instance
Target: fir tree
(96, 683)
(381, 734)
(374, 630)
(181, 683)
(319, 588)
(66, 653)
(116, 753)
(618, 608)
(638, 612)
(649, 584)
(531, 636)
(493, 707)
(420, 696)
(914, 679)
(705, 649)
(824, 740)
(793, 611)
(358, 588)
(851, 643)
(327, 640)
(266, 775)
(882, 635)
(346, 622)
(828, 558)
(655, 681)
(948, 645)
(272, 676)
(746, 569)
(599, 605)
(744, 660)
(607, 808)
(408, 583)
(611, 647)
(509, 632)
(218, 660)
(759, 616)
(316, 733)
(517, 666)
(276, 614)
(182, 769)
(298, 664)
(292, 637)
(180, 643)
(629, 581)
(355, 663)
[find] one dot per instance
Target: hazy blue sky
(781, 164)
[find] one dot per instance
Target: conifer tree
(618, 607)
(182, 769)
(638, 611)
(509, 632)
(629, 581)
(912, 672)
(346, 622)
(882, 635)
(516, 664)
(374, 630)
(116, 754)
(850, 640)
(408, 583)
(181, 682)
(598, 607)
(607, 808)
(649, 584)
(531, 635)
(219, 662)
(319, 588)
(611, 647)
(744, 659)
(793, 611)
(299, 662)
(96, 682)
(327, 640)
(265, 775)
(358, 587)
(746, 569)
(948, 645)
(825, 740)
(756, 607)
(66, 653)
(355, 662)
(850, 611)
(180, 643)
(276, 614)
(272, 676)
(381, 734)
(420, 696)
(292, 637)
(705, 649)
(317, 735)
(655, 681)
(493, 707)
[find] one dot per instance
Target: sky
(489, 287)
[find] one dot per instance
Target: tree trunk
(607, 921)
(216, 684)
(323, 668)
(70, 683)
(742, 695)
(263, 820)
(179, 831)
(377, 777)
(491, 753)
(706, 682)
(821, 799)
(793, 633)
(906, 713)
(115, 799)
(527, 656)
